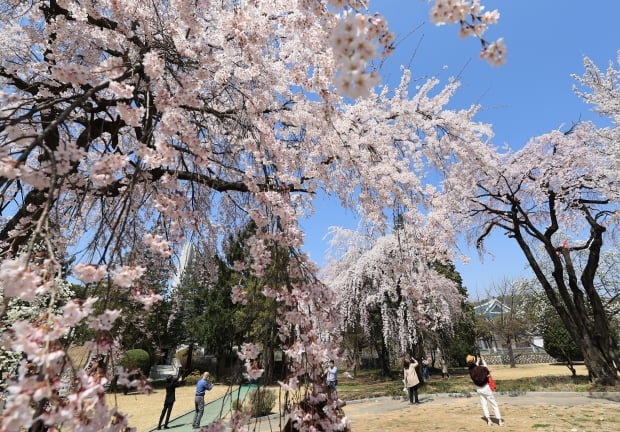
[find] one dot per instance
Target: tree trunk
(357, 353)
(190, 354)
(384, 355)
(569, 364)
(419, 355)
(511, 353)
(385, 360)
(268, 359)
(600, 367)
(577, 301)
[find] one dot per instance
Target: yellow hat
(470, 359)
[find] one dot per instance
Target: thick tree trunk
(600, 366)
(419, 355)
(593, 338)
(577, 301)
(384, 356)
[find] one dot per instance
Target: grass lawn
(523, 378)
(463, 413)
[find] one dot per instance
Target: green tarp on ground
(214, 410)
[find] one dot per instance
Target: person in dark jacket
(479, 374)
(171, 386)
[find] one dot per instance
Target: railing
(161, 372)
(520, 357)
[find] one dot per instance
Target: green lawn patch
(371, 384)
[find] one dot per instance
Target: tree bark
(511, 353)
(586, 321)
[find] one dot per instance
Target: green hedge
(137, 359)
(194, 377)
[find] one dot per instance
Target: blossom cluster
(473, 22)
(122, 119)
(18, 280)
(352, 41)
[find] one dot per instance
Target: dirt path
(533, 411)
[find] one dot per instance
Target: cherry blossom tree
(390, 282)
(602, 89)
(559, 184)
(131, 121)
(557, 197)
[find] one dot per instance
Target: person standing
(331, 373)
(411, 379)
(202, 386)
(479, 374)
(444, 367)
(171, 386)
(425, 371)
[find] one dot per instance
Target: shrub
(259, 402)
(237, 405)
(137, 359)
(194, 377)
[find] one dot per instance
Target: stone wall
(521, 358)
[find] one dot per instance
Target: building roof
(491, 308)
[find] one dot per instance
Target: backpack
(479, 375)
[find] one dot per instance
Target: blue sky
(530, 95)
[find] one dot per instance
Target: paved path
(398, 406)
(214, 410)
(383, 405)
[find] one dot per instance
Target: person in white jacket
(411, 379)
(479, 374)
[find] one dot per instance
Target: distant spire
(187, 257)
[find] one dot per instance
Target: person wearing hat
(479, 374)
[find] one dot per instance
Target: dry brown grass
(144, 410)
(531, 412)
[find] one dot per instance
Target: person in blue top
(425, 371)
(202, 386)
(331, 373)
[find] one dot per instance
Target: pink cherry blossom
(147, 299)
(17, 280)
(158, 244)
(88, 273)
(125, 276)
(141, 124)
(105, 321)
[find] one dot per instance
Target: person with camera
(479, 374)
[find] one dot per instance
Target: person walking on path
(202, 386)
(479, 374)
(444, 367)
(171, 386)
(331, 373)
(411, 379)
